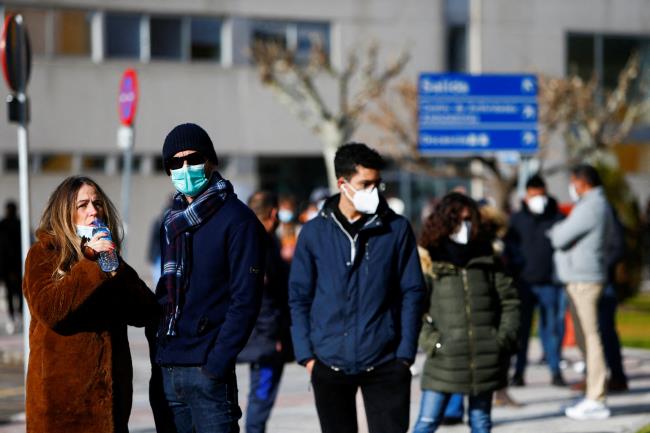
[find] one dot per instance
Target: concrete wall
(530, 35)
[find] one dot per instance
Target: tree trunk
(332, 136)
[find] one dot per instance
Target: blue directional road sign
(477, 113)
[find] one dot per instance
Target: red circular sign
(128, 98)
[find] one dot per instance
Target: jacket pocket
(429, 340)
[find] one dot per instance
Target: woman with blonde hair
(79, 376)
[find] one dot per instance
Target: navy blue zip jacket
(356, 302)
(224, 292)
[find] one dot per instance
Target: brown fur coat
(80, 373)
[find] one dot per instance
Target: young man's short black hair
(350, 155)
(587, 173)
(536, 182)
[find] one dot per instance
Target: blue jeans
(455, 407)
(200, 404)
(434, 403)
(551, 300)
(264, 385)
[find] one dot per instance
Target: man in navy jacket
(355, 292)
(212, 248)
(529, 255)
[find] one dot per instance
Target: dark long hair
(446, 217)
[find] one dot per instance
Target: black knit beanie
(188, 136)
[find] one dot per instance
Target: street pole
(25, 238)
(125, 142)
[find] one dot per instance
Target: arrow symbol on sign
(529, 138)
(527, 85)
(528, 111)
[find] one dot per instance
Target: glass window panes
(93, 162)
(580, 55)
(56, 163)
(457, 48)
(308, 34)
(270, 32)
(123, 35)
(616, 53)
(11, 162)
(136, 162)
(165, 36)
(205, 39)
(72, 32)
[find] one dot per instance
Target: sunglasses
(177, 162)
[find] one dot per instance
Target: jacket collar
(378, 219)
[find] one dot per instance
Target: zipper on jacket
(470, 333)
(353, 241)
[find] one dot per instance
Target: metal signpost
(467, 114)
(16, 55)
(127, 104)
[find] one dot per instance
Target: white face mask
(285, 215)
(573, 193)
(85, 231)
(461, 236)
(537, 204)
(364, 200)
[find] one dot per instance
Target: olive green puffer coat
(470, 327)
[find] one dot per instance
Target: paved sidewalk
(295, 412)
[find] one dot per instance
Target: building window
(166, 38)
(309, 34)
(93, 162)
(270, 32)
(11, 163)
(457, 48)
(296, 36)
(603, 55)
(72, 32)
(205, 39)
(55, 163)
(580, 52)
(136, 162)
(123, 35)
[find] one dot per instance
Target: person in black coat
(269, 346)
(11, 265)
(529, 256)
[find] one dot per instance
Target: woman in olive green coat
(471, 320)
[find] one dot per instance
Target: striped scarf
(179, 223)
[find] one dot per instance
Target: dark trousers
(386, 392)
(264, 385)
(611, 343)
(14, 294)
(550, 299)
(200, 404)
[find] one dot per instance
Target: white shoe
(10, 328)
(588, 409)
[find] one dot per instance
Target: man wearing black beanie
(213, 255)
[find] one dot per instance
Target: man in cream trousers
(580, 243)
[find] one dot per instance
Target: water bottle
(108, 260)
